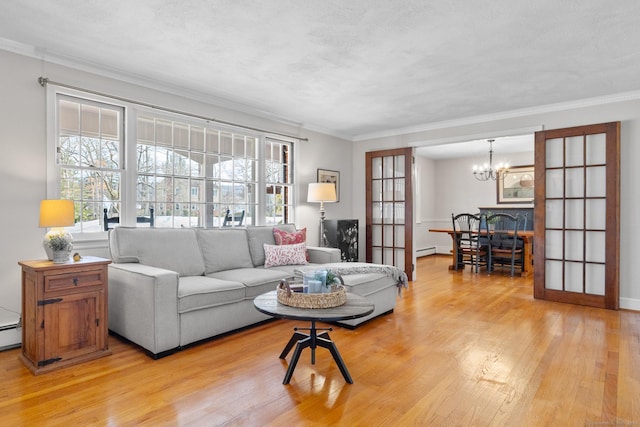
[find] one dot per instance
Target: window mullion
(130, 169)
(262, 183)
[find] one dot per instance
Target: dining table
(527, 239)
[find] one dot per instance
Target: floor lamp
(320, 192)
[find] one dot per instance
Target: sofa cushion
(173, 249)
(283, 237)
(198, 292)
(257, 280)
(366, 284)
(284, 255)
(224, 249)
(258, 236)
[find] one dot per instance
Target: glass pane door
(577, 211)
(389, 208)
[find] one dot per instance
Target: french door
(389, 198)
(577, 210)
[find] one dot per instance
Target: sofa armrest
(319, 255)
(143, 305)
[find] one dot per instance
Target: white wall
(457, 190)
(322, 152)
(23, 172)
(425, 194)
(625, 111)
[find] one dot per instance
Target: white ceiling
(354, 68)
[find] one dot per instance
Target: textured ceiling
(350, 68)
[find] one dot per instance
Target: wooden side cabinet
(64, 312)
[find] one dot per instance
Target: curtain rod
(45, 81)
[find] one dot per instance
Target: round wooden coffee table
(355, 307)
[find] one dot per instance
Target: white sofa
(172, 287)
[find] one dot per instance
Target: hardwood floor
(460, 350)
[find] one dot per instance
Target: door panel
(71, 325)
(577, 210)
(389, 223)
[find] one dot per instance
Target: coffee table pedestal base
(312, 340)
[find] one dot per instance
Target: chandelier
(487, 171)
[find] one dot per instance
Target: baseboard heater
(425, 251)
(10, 330)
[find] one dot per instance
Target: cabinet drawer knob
(75, 281)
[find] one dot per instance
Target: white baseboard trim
(443, 250)
(10, 338)
(630, 304)
(426, 251)
(10, 329)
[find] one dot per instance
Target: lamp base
(323, 240)
(59, 235)
(61, 257)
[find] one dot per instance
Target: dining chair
(506, 249)
(236, 219)
(106, 220)
(471, 241)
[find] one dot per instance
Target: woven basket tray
(286, 296)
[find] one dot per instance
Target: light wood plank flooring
(460, 350)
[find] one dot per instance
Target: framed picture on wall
(517, 186)
(333, 177)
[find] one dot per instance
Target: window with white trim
(182, 171)
(89, 156)
(194, 176)
(278, 185)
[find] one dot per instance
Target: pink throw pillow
(285, 238)
(275, 255)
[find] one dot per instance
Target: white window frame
(129, 174)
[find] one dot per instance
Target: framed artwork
(333, 177)
(517, 186)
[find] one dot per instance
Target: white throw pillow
(284, 254)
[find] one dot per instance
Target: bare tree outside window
(195, 175)
(188, 173)
(89, 155)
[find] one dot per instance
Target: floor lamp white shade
(321, 192)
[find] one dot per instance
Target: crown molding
(325, 131)
(541, 109)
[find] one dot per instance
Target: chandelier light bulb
(488, 171)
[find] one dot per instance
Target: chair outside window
(116, 219)
(507, 250)
(471, 241)
(234, 220)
